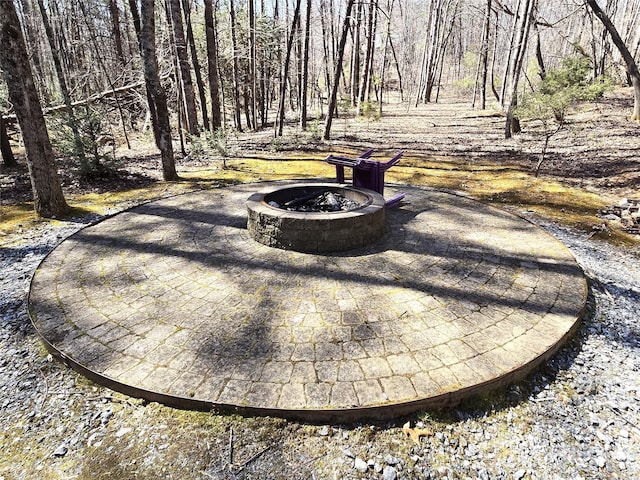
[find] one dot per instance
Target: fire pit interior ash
(316, 218)
(318, 201)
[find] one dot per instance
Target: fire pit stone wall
(316, 232)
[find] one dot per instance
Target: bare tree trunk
(355, 56)
(246, 100)
(441, 19)
(36, 55)
(525, 16)
(5, 147)
(148, 48)
(305, 68)
(493, 61)
(71, 118)
(264, 79)
(442, 22)
(539, 58)
(185, 69)
(252, 65)
(325, 43)
(212, 65)
(300, 59)
(484, 57)
(632, 67)
(368, 59)
(105, 70)
(279, 124)
(398, 71)
(235, 73)
(384, 53)
(338, 71)
(186, 7)
(135, 15)
(509, 60)
(114, 12)
(48, 198)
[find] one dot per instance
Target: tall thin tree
(184, 66)
(152, 77)
(48, 198)
(484, 56)
(186, 8)
(253, 65)
(338, 71)
(279, 125)
(367, 71)
(137, 26)
(305, 68)
(234, 66)
(523, 28)
(355, 55)
(632, 66)
(8, 159)
(64, 90)
(114, 13)
(212, 64)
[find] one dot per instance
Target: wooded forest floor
(577, 417)
(447, 145)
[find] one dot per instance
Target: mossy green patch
(510, 186)
(492, 183)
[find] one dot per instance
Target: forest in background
(104, 72)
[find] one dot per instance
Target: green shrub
(92, 148)
(562, 88)
(370, 110)
(559, 90)
(209, 145)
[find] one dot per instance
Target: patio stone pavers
(174, 302)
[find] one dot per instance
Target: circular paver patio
(172, 301)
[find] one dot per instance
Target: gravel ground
(578, 417)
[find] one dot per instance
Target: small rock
(324, 431)
(92, 438)
(600, 461)
(620, 456)
(519, 475)
(389, 473)
(606, 439)
(105, 416)
(348, 454)
(391, 460)
(360, 465)
(61, 451)
(122, 432)
(471, 451)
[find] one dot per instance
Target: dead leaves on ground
(415, 433)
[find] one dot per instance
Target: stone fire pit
(316, 217)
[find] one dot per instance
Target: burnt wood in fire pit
(319, 201)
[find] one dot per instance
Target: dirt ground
(598, 149)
